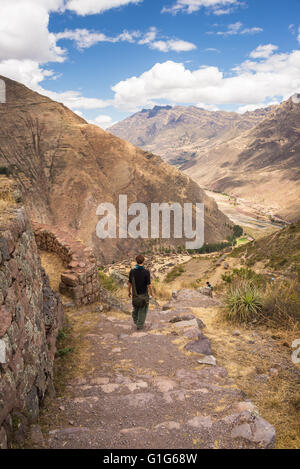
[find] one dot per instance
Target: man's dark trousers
(139, 315)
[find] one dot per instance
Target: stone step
(237, 431)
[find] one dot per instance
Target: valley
(254, 219)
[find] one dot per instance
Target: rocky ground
(149, 390)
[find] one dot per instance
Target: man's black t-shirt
(142, 280)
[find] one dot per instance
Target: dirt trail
(144, 390)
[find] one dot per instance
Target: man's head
(140, 259)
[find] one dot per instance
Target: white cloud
(85, 38)
(27, 72)
(208, 107)
(173, 45)
(263, 51)
(237, 28)
(298, 34)
(190, 6)
(91, 7)
(254, 107)
(104, 121)
(24, 33)
(264, 81)
(31, 74)
(212, 49)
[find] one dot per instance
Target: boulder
(202, 346)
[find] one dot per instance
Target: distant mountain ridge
(255, 156)
(178, 133)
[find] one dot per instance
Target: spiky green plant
(244, 302)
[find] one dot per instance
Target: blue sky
(109, 58)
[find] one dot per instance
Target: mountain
(254, 156)
(178, 133)
(65, 168)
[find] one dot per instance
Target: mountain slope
(254, 156)
(66, 168)
(178, 133)
(262, 165)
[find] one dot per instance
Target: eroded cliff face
(30, 316)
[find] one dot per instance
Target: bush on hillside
(244, 273)
(281, 304)
(107, 282)
(244, 302)
(277, 304)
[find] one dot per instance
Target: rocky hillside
(279, 251)
(178, 133)
(66, 168)
(261, 165)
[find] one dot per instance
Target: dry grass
(53, 266)
(162, 291)
(278, 397)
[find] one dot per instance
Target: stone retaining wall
(81, 280)
(30, 316)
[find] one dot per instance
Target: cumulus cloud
(24, 33)
(91, 7)
(104, 121)
(218, 7)
(85, 38)
(263, 81)
(263, 51)
(25, 71)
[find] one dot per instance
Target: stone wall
(81, 280)
(30, 316)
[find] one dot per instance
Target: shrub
(281, 304)
(244, 302)
(174, 273)
(107, 282)
(244, 273)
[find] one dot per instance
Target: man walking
(139, 287)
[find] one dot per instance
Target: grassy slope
(279, 251)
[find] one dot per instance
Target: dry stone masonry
(30, 316)
(81, 279)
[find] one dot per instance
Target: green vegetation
(242, 241)
(62, 339)
(244, 274)
(279, 251)
(207, 248)
(64, 351)
(107, 282)
(251, 299)
(5, 171)
(244, 302)
(174, 273)
(237, 231)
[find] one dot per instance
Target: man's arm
(129, 285)
(150, 289)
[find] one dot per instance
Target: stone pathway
(146, 390)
